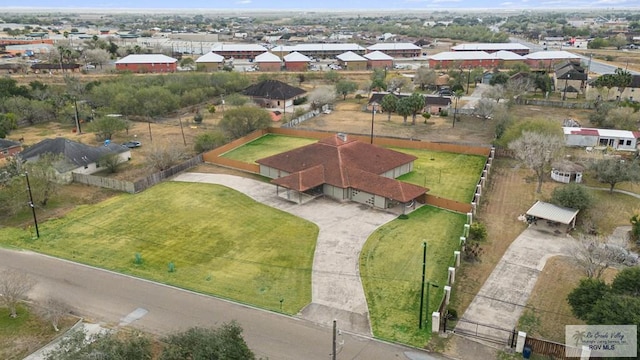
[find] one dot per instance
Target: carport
(554, 214)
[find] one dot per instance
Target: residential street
(111, 299)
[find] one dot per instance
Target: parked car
(132, 144)
(446, 92)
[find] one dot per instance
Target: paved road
(111, 298)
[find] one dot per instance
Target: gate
(485, 332)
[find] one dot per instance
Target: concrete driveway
(502, 298)
(337, 291)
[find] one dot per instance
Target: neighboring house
(296, 61)
(9, 148)
(589, 138)
(570, 75)
(344, 169)
(147, 63)
(605, 93)
(379, 60)
(376, 100)
(268, 62)
(210, 61)
(273, 94)
(77, 157)
(436, 104)
(352, 61)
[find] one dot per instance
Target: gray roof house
(77, 157)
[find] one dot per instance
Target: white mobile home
(616, 139)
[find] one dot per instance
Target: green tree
(75, 346)
(499, 78)
(623, 79)
(378, 80)
(389, 103)
(583, 298)
(243, 120)
(574, 196)
(477, 231)
(111, 162)
(417, 104)
(612, 171)
(612, 309)
(7, 123)
(404, 108)
(208, 141)
(107, 126)
(225, 342)
(627, 282)
(597, 43)
(543, 83)
(345, 87)
(635, 227)
(332, 76)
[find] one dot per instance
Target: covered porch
(552, 218)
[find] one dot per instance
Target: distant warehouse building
(493, 47)
(239, 51)
(474, 59)
(319, 51)
(547, 59)
(148, 63)
(405, 50)
(210, 62)
(268, 62)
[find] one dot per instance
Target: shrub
(208, 141)
(444, 113)
(300, 100)
(477, 232)
(573, 196)
(197, 118)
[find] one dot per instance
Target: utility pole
(150, 137)
(75, 104)
(335, 333)
(373, 114)
(424, 266)
(182, 130)
(33, 208)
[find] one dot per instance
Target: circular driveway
(337, 291)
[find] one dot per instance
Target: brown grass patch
(549, 297)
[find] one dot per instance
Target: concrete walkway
(502, 298)
(337, 291)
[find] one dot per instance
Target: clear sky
(433, 5)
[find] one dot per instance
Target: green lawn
(448, 175)
(391, 271)
(266, 145)
(220, 241)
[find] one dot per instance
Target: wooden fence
(552, 349)
(137, 186)
(448, 204)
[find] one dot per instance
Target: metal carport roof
(552, 212)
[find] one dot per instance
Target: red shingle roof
(344, 163)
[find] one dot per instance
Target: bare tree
(485, 108)
(536, 151)
(97, 56)
(322, 96)
(162, 158)
(54, 310)
(594, 254)
(14, 286)
(517, 87)
(495, 92)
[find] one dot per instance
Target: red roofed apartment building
(344, 169)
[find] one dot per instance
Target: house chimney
(342, 136)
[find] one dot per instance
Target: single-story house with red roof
(588, 137)
(347, 170)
